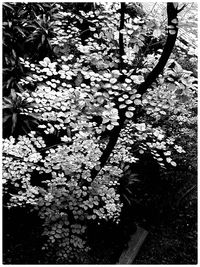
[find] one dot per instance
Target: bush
(78, 97)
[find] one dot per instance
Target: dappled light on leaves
(74, 100)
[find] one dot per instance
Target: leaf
(24, 129)
(14, 122)
(79, 79)
(20, 30)
(97, 167)
(141, 127)
(122, 106)
(113, 80)
(116, 123)
(125, 96)
(56, 167)
(43, 38)
(100, 99)
(130, 32)
(129, 202)
(106, 95)
(156, 33)
(184, 98)
(174, 21)
(110, 127)
(9, 106)
(123, 31)
(131, 108)
(175, 4)
(120, 99)
(127, 80)
(171, 86)
(137, 102)
(92, 29)
(129, 114)
(128, 101)
(162, 112)
(13, 94)
(46, 61)
(173, 163)
(27, 124)
(107, 75)
(69, 132)
(168, 160)
(14, 53)
(172, 32)
(167, 153)
(35, 116)
(136, 48)
(57, 236)
(8, 6)
(5, 118)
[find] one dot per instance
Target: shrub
(83, 95)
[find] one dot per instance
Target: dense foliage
(67, 82)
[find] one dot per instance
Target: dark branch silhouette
(172, 12)
(171, 38)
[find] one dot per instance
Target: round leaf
(129, 114)
(137, 102)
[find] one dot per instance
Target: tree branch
(111, 144)
(171, 38)
(172, 35)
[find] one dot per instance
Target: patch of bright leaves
(64, 198)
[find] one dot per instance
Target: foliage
(27, 30)
(77, 93)
(15, 121)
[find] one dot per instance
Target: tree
(91, 100)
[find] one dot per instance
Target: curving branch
(172, 13)
(110, 146)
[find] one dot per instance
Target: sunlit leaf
(137, 102)
(129, 114)
(173, 163)
(110, 127)
(157, 32)
(113, 80)
(128, 101)
(122, 106)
